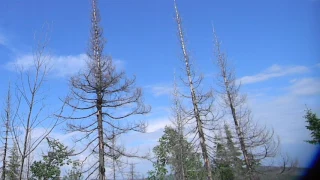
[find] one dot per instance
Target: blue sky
(273, 44)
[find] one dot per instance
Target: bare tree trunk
(179, 121)
(113, 164)
(7, 126)
(97, 57)
(182, 166)
(240, 136)
(29, 159)
(25, 142)
(101, 147)
(193, 96)
(132, 172)
(113, 143)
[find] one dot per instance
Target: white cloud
(285, 114)
(62, 66)
(305, 86)
(160, 89)
(273, 72)
(158, 124)
(68, 65)
(285, 111)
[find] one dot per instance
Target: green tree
(161, 152)
(233, 152)
(313, 126)
(14, 164)
(223, 166)
(228, 164)
(168, 154)
(49, 168)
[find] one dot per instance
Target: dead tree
(132, 174)
(179, 121)
(114, 156)
(114, 153)
(7, 120)
(256, 142)
(31, 96)
(287, 164)
(102, 95)
(199, 100)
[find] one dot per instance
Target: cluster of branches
(26, 112)
(249, 143)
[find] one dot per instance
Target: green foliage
(313, 126)
(233, 150)
(49, 167)
(175, 151)
(233, 153)
(14, 164)
(161, 151)
(223, 164)
(74, 173)
(228, 163)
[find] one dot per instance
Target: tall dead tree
(114, 153)
(7, 120)
(102, 95)
(256, 142)
(198, 99)
(179, 121)
(114, 156)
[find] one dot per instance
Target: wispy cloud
(285, 114)
(62, 66)
(2, 39)
(305, 86)
(160, 89)
(273, 72)
(68, 65)
(158, 124)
